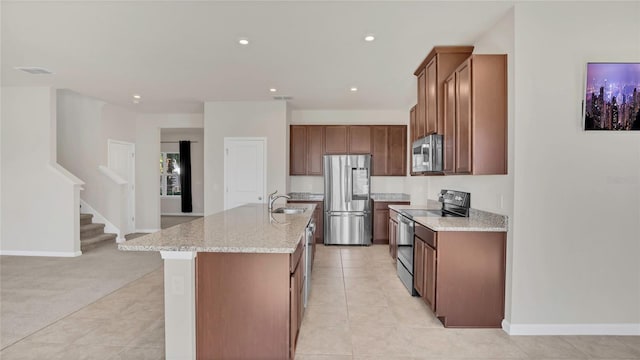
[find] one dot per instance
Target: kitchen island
(233, 283)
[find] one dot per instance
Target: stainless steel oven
(427, 155)
(404, 264)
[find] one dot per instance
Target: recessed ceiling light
(243, 41)
(273, 89)
(34, 70)
(369, 38)
(354, 89)
(136, 96)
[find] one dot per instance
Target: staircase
(91, 235)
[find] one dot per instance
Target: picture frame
(612, 96)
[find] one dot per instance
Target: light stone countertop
(305, 196)
(478, 220)
(245, 229)
(390, 197)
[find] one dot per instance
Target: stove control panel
(457, 198)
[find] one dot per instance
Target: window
(169, 174)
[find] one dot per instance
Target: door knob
(259, 197)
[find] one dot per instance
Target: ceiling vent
(34, 70)
(283, 98)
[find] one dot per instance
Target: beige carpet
(167, 221)
(37, 291)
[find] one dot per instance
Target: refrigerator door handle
(349, 187)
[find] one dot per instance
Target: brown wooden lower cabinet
(381, 234)
(393, 228)
(461, 275)
(248, 306)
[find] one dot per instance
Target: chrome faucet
(273, 198)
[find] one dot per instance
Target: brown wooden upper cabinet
(476, 117)
(412, 125)
(335, 140)
(306, 149)
(298, 150)
(386, 143)
(431, 74)
(389, 150)
(359, 139)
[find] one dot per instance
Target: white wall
(40, 201)
(576, 210)
(84, 127)
(492, 192)
(173, 205)
(350, 117)
(147, 160)
(243, 119)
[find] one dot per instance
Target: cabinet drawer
(427, 235)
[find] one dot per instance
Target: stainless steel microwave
(427, 155)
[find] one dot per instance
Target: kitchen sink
(289, 210)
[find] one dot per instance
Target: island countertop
(245, 229)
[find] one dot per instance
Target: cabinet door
(380, 147)
(315, 149)
(319, 224)
(381, 227)
(359, 140)
(335, 140)
(432, 97)
(429, 294)
(418, 265)
(397, 153)
(449, 130)
(421, 115)
(463, 119)
(393, 227)
(298, 150)
(293, 315)
(412, 125)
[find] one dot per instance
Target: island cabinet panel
(298, 150)
(335, 140)
(243, 306)
(359, 139)
(381, 216)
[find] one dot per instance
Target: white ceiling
(179, 54)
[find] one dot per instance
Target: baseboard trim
(41, 253)
(147, 230)
(182, 214)
(571, 329)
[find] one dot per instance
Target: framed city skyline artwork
(612, 96)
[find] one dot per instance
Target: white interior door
(245, 171)
(122, 162)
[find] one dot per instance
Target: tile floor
(358, 310)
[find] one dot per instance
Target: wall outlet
(500, 201)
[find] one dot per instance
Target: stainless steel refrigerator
(347, 200)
